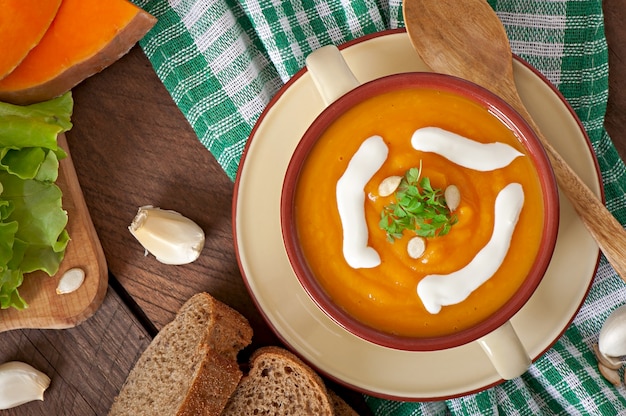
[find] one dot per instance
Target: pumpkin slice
(22, 25)
(85, 37)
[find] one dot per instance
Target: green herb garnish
(418, 207)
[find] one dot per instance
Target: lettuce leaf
(35, 125)
(33, 234)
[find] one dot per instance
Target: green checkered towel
(223, 60)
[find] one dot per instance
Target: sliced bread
(190, 368)
(340, 407)
(279, 383)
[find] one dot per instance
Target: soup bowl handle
(506, 351)
(330, 73)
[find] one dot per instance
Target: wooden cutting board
(46, 308)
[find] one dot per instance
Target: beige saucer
(332, 350)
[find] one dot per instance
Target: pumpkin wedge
(85, 37)
(22, 25)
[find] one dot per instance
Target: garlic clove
(169, 236)
(612, 339)
(605, 361)
(389, 185)
(20, 383)
(70, 281)
(611, 345)
(611, 374)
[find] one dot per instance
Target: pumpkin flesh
(22, 25)
(85, 37)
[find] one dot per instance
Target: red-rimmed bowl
(506, 115)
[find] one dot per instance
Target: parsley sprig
(419, 207)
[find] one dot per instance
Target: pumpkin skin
(22, 25)
(85, 37)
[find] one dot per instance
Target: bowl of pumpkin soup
(419, 212)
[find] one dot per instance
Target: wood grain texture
(87, 364)
(615, 120)
(136, 148)
(47, 309)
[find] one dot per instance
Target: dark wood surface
(615, 121)
(131, 147)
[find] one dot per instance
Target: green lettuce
(33, 234)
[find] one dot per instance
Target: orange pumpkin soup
(384, 297)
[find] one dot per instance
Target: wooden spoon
(466, 39)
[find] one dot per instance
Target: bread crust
(340, 407)
(216, 380)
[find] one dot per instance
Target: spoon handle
(603, 226)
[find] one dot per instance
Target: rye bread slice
(190, 368)
(279, 383)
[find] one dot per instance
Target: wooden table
(131, 147)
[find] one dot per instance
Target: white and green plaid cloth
(223, 60)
